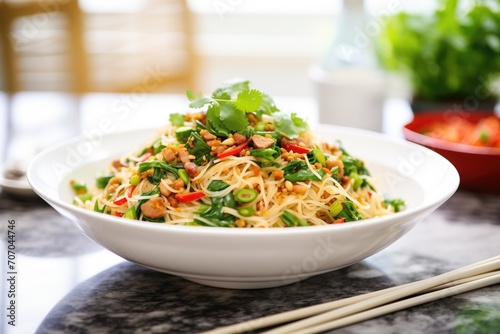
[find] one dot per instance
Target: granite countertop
(67, 284)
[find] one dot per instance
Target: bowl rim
(402, 215)
(410, 132)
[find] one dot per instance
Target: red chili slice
(124, 199)
(339, 221)
(233, 151)
(146, 155)
(189, 197)
(121, 201)
(292, 145)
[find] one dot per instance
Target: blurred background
(109, 46)
(67, 63)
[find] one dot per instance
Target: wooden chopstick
(489, 279)
(362, 302)
(391, 296)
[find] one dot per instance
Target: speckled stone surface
(125, 298)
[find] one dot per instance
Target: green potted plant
(450, 57)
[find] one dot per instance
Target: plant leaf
(232, 118)
(190, 95)
(201, 101)
(289, 125)
(248, 100)
(230, 88)
(214, 123)
(177, 119)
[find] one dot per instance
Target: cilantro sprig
(228, 106)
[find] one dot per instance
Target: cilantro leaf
(267, 107)
(289, 125)
(232, 118)
(299, 123)
(248, 100)
(201, 101)
(190, 95)
(231, 88)
(177, 119)
(214, 123)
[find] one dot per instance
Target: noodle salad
(236, 160)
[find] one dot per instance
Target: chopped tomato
(233, 151)
(189, 197)
(118, 214)
(293, 145)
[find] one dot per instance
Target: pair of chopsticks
(339, 313)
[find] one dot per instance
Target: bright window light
(122, 6)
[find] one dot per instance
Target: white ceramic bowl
(250, 258)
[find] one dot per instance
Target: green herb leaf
(231, 88)
(177, 119)
(350, 213)
(232, 118)
(214, 214)
(144, 166)
(297, 170)
(190, 95)
(102, 181)
(158, 175)
(96, 207)
(201, 102)
(291, 220)
(267, 107)
(217, 185)
(300, 125)
(291, 126)
(248, 100)
(199, 149)
(397, 203)
(214, 123)
(270, 153)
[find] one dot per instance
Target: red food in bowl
(474, 151)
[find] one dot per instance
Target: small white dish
(13, 180)
(250, 258)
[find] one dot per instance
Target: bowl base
(242, 285)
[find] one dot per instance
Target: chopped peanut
(178, 184)
(255, 170)
(278, 174)
(299, 189)
(228, 142)
(240, 223)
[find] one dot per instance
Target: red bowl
(479, 167)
